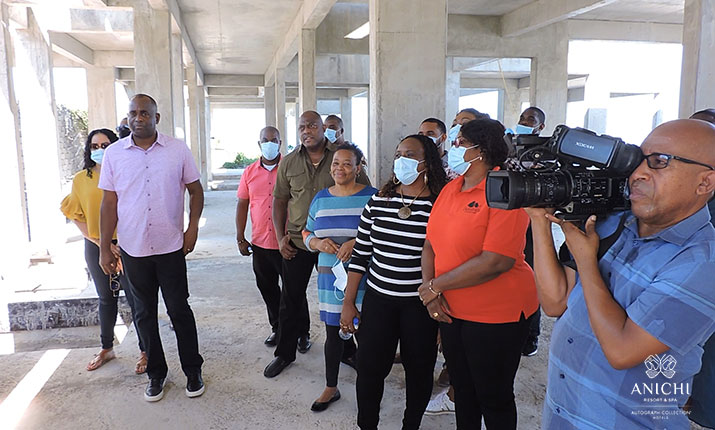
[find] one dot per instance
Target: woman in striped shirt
(331, 228)
(389, 248)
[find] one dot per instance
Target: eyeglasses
(312, 126)
(658, 160)
(114, 284)
(122, 127)
(95, 146)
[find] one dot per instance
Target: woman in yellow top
(82, 207)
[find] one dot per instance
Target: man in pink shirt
(256, 190)
(144, 177)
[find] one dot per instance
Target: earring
(395, 180)
(425, 178)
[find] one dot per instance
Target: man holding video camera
(636, 313)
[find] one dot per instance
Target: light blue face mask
(406, 170)
(270, 150)
(522, 129)
(97, 155)
(435, 139)
(331, 134)
(455, 159)
(453, 132)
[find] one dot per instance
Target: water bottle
(347, 335)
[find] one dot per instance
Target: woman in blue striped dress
(331, 229)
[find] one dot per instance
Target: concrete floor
(232, 324)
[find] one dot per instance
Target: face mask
(435, 139)
(331, 135)
(97, 155)
(270, 150)
(522, 129)
(455, 159)
(341, 276)
(406, 170)
(453, 132)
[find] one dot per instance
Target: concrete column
(152, 60)
(195, 128)
(452, 87)
(102, 106)
(269, 104)
(346, 114)
(177, 87)
(511, 104)
(14, 255)
(697, 79)
(38, 127)
(307, 93)
(549, 77)
(205, 136)
(280, 106)
(400, 97)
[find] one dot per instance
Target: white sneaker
(440, 405)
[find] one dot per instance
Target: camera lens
(512, 190)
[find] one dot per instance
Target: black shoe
(530, 347)
(304, 344)
(276, 367)
(321, 406)
(350, 361)
(154, 390)
(271, 340)
(194, 385)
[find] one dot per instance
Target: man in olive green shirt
(301, 174)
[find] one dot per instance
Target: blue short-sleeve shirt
(666, 284)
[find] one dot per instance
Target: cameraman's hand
(583, 245)
(539, 214)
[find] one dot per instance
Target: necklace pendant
(404, 212)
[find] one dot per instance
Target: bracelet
(241, 241)
(436, 293)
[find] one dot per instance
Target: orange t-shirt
(460, 227)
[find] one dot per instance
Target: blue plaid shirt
(666, 284)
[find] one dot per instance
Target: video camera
(575, 171)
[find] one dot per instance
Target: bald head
(694, 139)
(682, 179)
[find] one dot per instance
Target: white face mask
(341, 278)
(270, 150)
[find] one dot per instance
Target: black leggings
(335, 349)
(107, 302)
(385, 321)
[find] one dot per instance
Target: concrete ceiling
(485, 7)
(237, 36)
(658, 11)
(115, 41)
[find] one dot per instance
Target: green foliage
(240, 162)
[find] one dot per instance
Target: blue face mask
(455, 159)
(270, 150)
(331, 135)
(522, 129)
(97, 155)
(453, 132)
(406, 170)
(435, 139)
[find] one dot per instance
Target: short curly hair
(489, 135)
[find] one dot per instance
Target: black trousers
(267, 266)
(384, 322)
(108, 308)
(482, 361)
(335, 349)
(146, 275)
(535, 324)
(294, 318)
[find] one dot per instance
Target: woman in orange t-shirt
(476, 282)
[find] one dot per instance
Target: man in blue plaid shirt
(633, 323)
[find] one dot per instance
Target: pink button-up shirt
(150, 187)
(257, 186)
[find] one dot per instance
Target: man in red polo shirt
(256, 191)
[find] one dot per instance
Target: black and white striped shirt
(390, 248)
